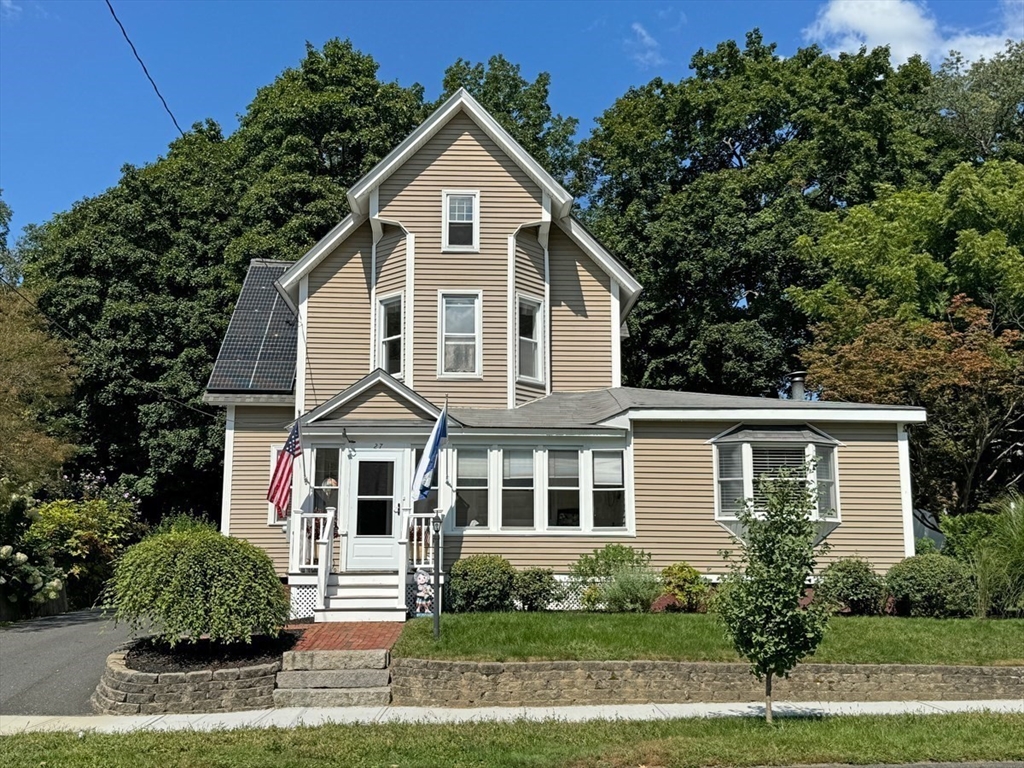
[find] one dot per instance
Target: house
(461, 276)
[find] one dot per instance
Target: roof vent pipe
(796, 385)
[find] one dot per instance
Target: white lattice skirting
(303, 601)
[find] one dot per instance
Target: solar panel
(258, 351)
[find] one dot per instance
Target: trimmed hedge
(481, 583)
(852, 586)
(931, 586)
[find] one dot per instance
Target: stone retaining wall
(416, 682)
(124, 691)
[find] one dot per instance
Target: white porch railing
(306, 531)
(421, 547)
(325, 554)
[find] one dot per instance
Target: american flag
(280, 492)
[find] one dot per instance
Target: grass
(698, 742)
(694, 637)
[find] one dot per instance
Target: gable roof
(258, 351)
(360, 197)
(378, 377)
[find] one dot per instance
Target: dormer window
(461, 220)
(390, 334)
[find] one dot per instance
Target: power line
(143, 65)
(72, 338)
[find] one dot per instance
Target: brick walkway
(348, 636)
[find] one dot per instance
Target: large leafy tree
(703, 186)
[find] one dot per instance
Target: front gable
(375, 397)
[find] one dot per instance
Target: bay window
(460, 323)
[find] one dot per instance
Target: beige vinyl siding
(391, 263)
(377, 403)
(256, 430)
(675, 503)
(339, 314)
(461, 156)
(581, 346)
(529, 274)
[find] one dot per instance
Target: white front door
(375, 494)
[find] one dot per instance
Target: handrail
(307, 528)
(419, 532)
(325, 554)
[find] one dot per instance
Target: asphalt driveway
(50, 666)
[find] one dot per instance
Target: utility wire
(143, 65)
(74, 340)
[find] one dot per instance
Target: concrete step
(321, 660)
(359, 614)
(367, 591)
(332, 697)
(335, 678)
(344, 602)
(365, 578)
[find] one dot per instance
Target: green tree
(703, 186)
(521, 107)
(759, 600)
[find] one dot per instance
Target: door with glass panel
(376, 485)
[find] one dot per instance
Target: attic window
(461, 222)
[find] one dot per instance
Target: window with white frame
(798, 454)
(609, 489)
(389, 324)
(460, 334)
(517, 488)
(529, 323)
(461, 220)
(471, 488)
(563, 489)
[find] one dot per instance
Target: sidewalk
(290, 718)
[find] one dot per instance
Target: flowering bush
(25, 584)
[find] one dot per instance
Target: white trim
(290, 279)
(798, 413)
(241, 398)
(541, 332)
(547, 317)
(377, 231)
(380, 323)
(410, 310)
(616, 338)
(456, 292)
(375, 223)
(460, 101)
(511, 322)
(906, 491)
(301, 351)
(377, 377)
(229, 458)
(446, 247)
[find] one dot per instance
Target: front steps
(334, 679)
(368, 596)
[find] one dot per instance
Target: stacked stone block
(333, 679)
(417, 682)
(123, 691)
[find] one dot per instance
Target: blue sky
(75, 106)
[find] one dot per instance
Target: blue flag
(428, 462)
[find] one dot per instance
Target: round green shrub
(535, 588)
(852, 586)
(931, 585)
(684, 582)
(195, 582)
(631, 589)
(481, 583)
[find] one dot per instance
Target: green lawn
(694, 637)
(699, 742)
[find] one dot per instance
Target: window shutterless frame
(460, 220)
(390, 316)
(530, 339)
(459, 334)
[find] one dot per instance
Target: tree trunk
(768, 698)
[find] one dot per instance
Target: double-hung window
(517, 488)
(609, 490)
(461, 220)
(460, 334)
(530, 329)
(471, 488)
(746, 456)
(563, 489)
(389, 324)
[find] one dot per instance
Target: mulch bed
(148, 655)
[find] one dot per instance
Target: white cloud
(643, 48)
(9, 9)
(907, 27)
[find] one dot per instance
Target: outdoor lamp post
(435, 525)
